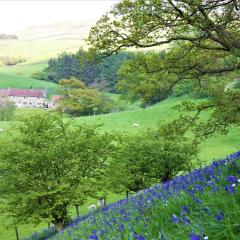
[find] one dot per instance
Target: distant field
(24, 70)
(37, 54)
(37, 51)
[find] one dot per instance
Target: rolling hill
(59, 30)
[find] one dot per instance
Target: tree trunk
(127, 194)
(16, 231)
(77, 210)
(49, 225)
(59, 226)
(167, 176)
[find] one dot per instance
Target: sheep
(92, 207)
(136, 125)
(101, 203)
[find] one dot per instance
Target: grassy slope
(123, 121)
(37, 51)
(213, 148)
(172, 210)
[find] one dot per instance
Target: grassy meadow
(38, 51)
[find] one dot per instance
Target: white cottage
(25, 97)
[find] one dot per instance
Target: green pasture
(213, 148)
(14, 81)
(37, 51)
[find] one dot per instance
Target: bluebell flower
(121, 227)
(194, 237)
(93, 237)
(175, 219)
(232, 179)
(139, 237)
(229, 189)
(219, 216)
(185, 210)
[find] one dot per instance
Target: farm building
(25, 97)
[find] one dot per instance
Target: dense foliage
(199, 43)
(152, 156)
(91, 70)
(48, 165)
(194, 206)
(79, 100)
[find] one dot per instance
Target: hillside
(37, 51)
(213, 148)
(37, 43)
(59, 30)
(149, 117)
(19, 81)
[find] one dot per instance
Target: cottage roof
(56, 98)
(40, 93)
(3, 92)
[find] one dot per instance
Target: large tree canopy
(48, 165)
(200, 43)
(205, 24)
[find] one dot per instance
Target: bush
(7, 109)
(10, 61)
(152, 156)
(39, 75)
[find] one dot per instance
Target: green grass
(36, 54)
(213, 148)
(14, 81)
(24, 70)
(8, 233)
(37, 51)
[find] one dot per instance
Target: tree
(101, 74)
(7, 109)
(152, 156)
(78, 99)
(48, 165)
(202, 45)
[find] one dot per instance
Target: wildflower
(101, 232)
(93, 237)
(231, 179)
(121, 227)
(194, 237)
(229, 189)
(139, 237)
(185, 210)
(219, 216)
(122, 211)
(175, 219)
(185, 220)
